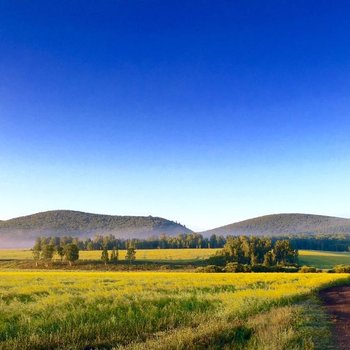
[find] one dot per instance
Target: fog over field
(21, 232)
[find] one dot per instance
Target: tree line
(163, 241)
(335, 242)
(338, 242)
(99, 242)
(67, 248)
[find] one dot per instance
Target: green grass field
(323, 259)
(319, 259)
(162, 310)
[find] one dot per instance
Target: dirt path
(337, 303)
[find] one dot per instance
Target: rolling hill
(21, 232)
(284, 224)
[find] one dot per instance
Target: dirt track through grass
(337, 304)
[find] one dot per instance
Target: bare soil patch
(337, 303)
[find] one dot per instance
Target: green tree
(130, 254)
(114, 254)
(237, 249)
(253, 259)
(104, 255)
(71, 253)
(284, 252)
(269, 259)
(47, 252)
(60, 252)
(213, 241)
(54, 241)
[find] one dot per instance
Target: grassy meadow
(323, 259)
(319, 259)
(161, 310)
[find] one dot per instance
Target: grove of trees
(259, 251)
(45, 248)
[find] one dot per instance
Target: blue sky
(204, 112)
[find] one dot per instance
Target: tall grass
(90, 310)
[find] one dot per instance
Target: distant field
(141, 254)
(319, 259)
(323, 259)
(157, 310)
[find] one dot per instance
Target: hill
(21, 232)
(284, 224)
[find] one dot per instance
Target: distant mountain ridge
(23, 230)
(284, 224)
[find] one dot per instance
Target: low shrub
(308, 269)
(209, 268)
(342, 268)
(234, 267)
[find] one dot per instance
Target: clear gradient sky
(204, 112)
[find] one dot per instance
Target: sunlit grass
(141, 254)
(73, 310)
(323, 259)
(322, 253)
